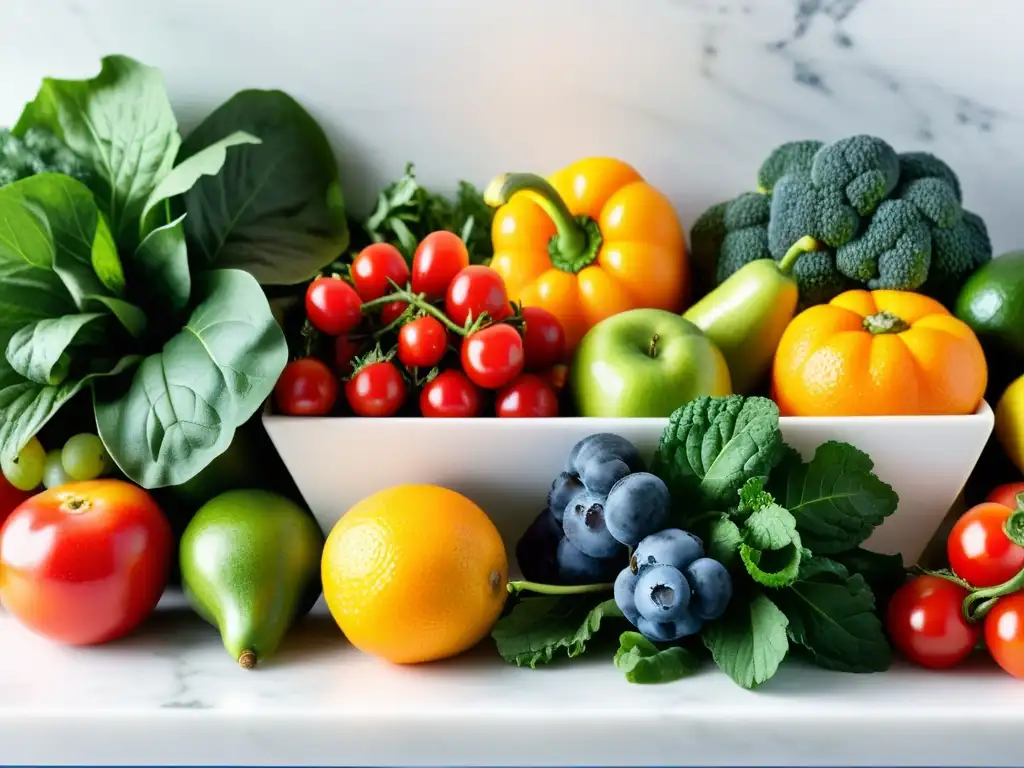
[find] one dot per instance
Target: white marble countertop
(170, 695)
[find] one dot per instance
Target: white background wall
(692, 92)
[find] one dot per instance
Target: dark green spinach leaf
(641, 661)
(539, 627)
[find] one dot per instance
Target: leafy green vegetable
(122, 125)
(884, 574)
(713, 446)
(205, 383)
(539, 627)
(771, 548)
(407, 212)
(275, 209)
(749, 642)
(836, 498)
(832, 614)
(39, 351)
(642, 662)
(162, 260)
(37, 151)
(724, 540)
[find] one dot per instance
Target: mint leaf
(642, 662)
(771, 545)
(836, 499)
(723, 541)
(832, 614)
(713, 445)
(749, 642)
(539, 627)
(753, 496)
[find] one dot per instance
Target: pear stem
(247, 660)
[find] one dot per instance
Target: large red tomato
(10, 498)
(85, 563)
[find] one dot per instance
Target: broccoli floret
(791, 157)
(800, 209)
(934, 199)
(818, 279)
(706, 236)
(865, 168)
(923, 165)
(38, 151)
(746, 233)
(894, 253)
(957, 252)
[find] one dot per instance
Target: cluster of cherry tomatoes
(936, 620)
(440, 338)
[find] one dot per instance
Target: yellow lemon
(415, 573)
(1010, 422)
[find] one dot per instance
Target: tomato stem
(977, 604)
(418, 301)
(515, 587)
(1014, 525)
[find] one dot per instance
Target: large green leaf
(276, 208)
(182, 406)
(207, 162)
(84, 253)
(25, 407)
(159, 268)
(121, 123)
(39, 351)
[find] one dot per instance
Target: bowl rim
(982, 414)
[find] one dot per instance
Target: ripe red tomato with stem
(376, 389)
(392, 311)
(528, 396)
(450, 395)
(345, 349)
(1006, 495)
(493, 356)
(332, 306)
(374, 267)
(474, 290)
(306, 387)
(439, 257)
(85, 563)
(926, 623)
(978, 548)
(1004, 633)
(543, 339)
(422, 342)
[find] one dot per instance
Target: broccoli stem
(805, 244)
(577, 238)
(885, 322)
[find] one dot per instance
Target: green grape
(84, 457)
(53, 471)
(25, 472)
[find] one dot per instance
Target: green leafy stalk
(641, 661)
(539, 628)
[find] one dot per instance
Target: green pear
(250, 562)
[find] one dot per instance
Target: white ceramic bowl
(506, 465)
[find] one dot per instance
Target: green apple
(645, 363)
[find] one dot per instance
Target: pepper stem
(805, 244)
(577, 238)
(885, 322)
(515, 587)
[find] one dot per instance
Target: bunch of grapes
(605, 511)
(82, 457)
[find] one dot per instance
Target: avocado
(250, 565)
(745, 317)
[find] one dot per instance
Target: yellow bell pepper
(592, 240)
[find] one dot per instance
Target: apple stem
(653, 348)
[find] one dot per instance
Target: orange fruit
(878, 353)
(415, 573)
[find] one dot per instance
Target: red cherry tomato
(332, 306)
(10, 498)
(475, 290)
(374, 266)
(926, 623)
(978, 549)
(1004, 633)
(376, 390)
(85, 563)
(439, 257)
(555, 376)
(493, 356)
(527, 397)
(450, 394)
(306, 387)
(392, 311)
(543, 339)
(344, 350)
(422, 343)
(1006, 494)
